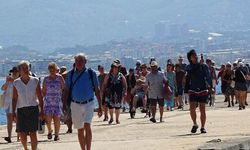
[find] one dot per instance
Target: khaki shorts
(82, 113)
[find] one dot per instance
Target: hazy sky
(48, 24)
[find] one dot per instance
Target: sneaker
(123, 109)
(144, 111)
(111, 121)
(194, 128)
(7, 139)
(69, 131)
(153, 120)
(106, 118)
(246, 103)
(56, 138)
(203, 130)
(133, 110)
(186, 102)
(117, 122)
(49, 136)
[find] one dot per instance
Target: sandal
(203, 130)
(56, 138)
(49, 136)
(111, 121)
(7, 139)
(69, 131)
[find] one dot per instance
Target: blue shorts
(140, 96)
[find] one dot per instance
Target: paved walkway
(227, 124)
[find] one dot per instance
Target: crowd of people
(69, 95)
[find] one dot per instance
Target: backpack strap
(90, 72)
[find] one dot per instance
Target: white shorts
(82, 113)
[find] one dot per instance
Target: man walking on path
(80, 86)
(155, 81)
(198, 84)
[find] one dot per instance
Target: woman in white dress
(8, 92)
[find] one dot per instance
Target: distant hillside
(48, 24)
(17, 52)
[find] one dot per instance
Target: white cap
(153, 63)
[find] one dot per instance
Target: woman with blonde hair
(53, 85)
(27, 98)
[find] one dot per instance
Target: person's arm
(223, 75)
(14, 102)
(6, 84)
(146, 85)
(65, 98)
(44, 87)
(104, 84)
(187, 81)
(40, 99)
(66, 92)
(183, 79)
(219, 75)
(62, 82)
(97, 94)
(133, 90)
(125, 86)
(175, 82)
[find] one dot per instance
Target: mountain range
(45, 25)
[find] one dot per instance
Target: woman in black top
(115, 86)
(241, 86)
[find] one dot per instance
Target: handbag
(167, 93)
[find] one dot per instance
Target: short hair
(100, 67)
(177, 66)
(190, 53)
(24, 62)
(52, 65)
(81, 55)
